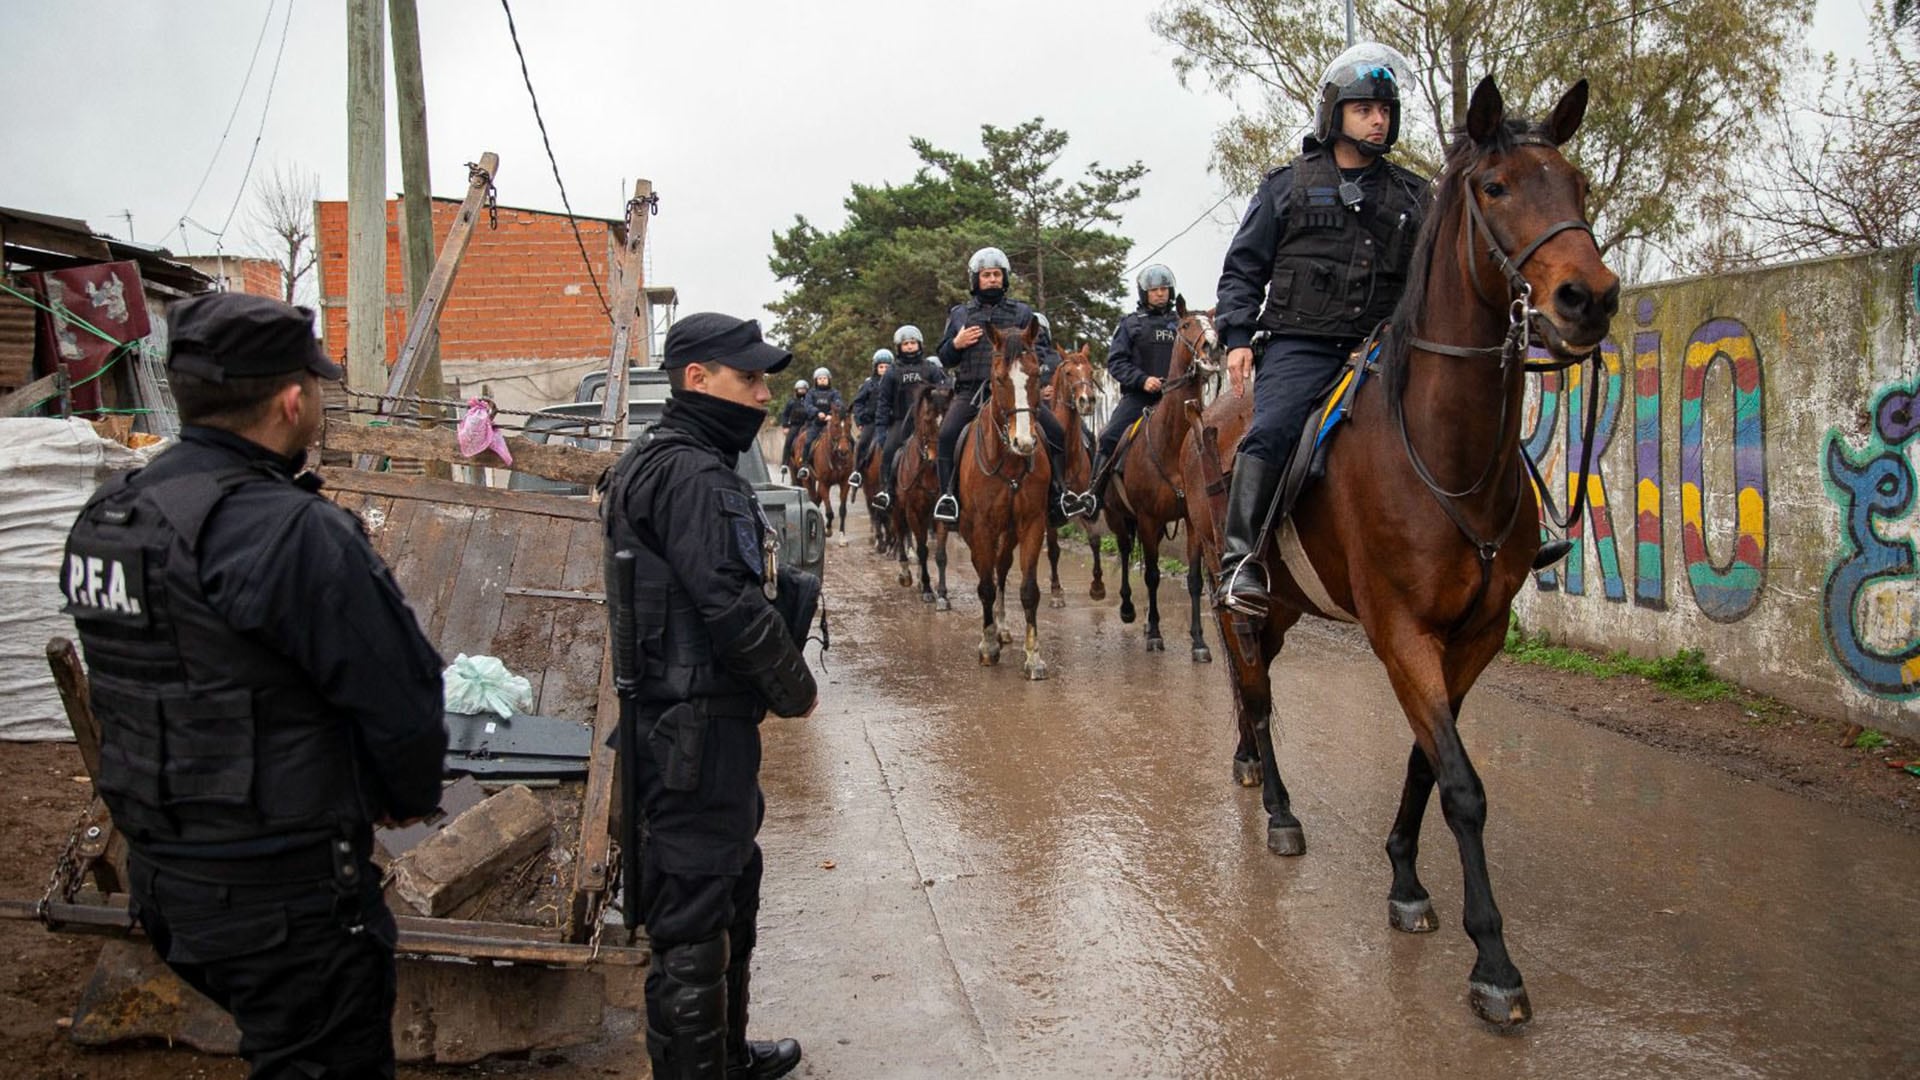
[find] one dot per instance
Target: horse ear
(1486, 111)
(995, 337)
(1180, 305)
(1568, 114)
(1032, 331)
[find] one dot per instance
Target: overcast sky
(742, 114)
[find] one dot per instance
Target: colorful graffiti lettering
(1598, 516)
(1546, 418)
(1650, 542)
(1879, 484)
(1725, 593)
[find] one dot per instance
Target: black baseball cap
(237, 335)
(712, 338)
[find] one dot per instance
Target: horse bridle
(1519, 342)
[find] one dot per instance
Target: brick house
(523, 320)
(259, 277)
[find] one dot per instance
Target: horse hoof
(1202, 656)
(1126, 613)
(905, 581)
(1504, 1008)
(1057, 601)
(1036, 670)
(943, 604)
(1098, 592)
(1412, 916)
(926, 598)
(989, 659)
(1286, 840)
(1155, 644)
(1246, 773)
(1006, 637)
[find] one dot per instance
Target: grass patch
(1869, 740)
(1074, 533)
(1684, 674)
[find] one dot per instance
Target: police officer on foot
(967, 354)
(265, 699)
(911, 372)
(1326, 242)
(711, 643)
(866, 401)
(1138, 360)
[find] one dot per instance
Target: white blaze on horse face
(1022, 414)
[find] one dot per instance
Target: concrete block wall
(1754, 495)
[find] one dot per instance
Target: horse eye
(1495, 189)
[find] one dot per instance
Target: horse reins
(1512, 353)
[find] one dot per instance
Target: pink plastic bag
(477, 432)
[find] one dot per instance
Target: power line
(1190, 227)
(265, 106)
(238, 99)
(582, 244)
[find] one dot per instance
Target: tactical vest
(1153, 338)
(866, 401)
(1337, 271)
(818, 401)
(206, 736)
(976, 361)
(674, 658)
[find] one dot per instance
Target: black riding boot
(1243, 576)
(748, 1060)
(1061, 503)
(1551, 551)
(687, 1006)
(1097, 490)
(946, 508)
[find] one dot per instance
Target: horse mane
(1462, 157)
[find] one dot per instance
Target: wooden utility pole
(366, 195)
(416, 190)
(627, 292)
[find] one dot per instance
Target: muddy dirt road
(973, 875)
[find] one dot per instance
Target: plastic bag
(477, 432)
(477, 684)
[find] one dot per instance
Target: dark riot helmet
(1369, 71)
(881, 356)
(988, 258)
(1157, 276)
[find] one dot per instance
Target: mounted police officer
(1138, 360)
(911, 373)
(265, 699)
(1320, 259)
(967, 354)
(707, 634)
(822, 399)
(865, 401)
(793, 417)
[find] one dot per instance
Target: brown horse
(829, 464)
(880, 520)
(1003, 492)
(1074, 395)
(916, 484)
(1148, 496)
(1422, 529)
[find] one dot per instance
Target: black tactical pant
(786, 448)
(1289, 372)
(861, 449)
(306, 970)
(1125, 412)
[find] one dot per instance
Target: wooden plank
(523, 641)
(30, 395)
(555, 462)
(439, 534)
(414, 488)
(626, 300)
(578, 644)
(459, 860)
(389, 540)
(71, 679)
(593, 869)
(479, 590)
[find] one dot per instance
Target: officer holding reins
(822, 399)
(1138, 359)
(866, 402)
(265, 698)
(911, 373)
(1320, 259)
(967, 354)
(707, 634)
(793, 418)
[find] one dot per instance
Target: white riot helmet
(1157, 276)
(881, 356)
(1369, 71)
(822, 373)
(909, 333)
(1044, 324)
(799, 386)
(988, 258)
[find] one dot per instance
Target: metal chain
(478, 175)
(652, 203)
(65, 879)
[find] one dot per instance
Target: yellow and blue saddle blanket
(1309, 460)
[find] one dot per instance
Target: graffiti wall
(1752, 492)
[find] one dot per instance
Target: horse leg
(1005, 564)
(1098, 590)
(1035, 668)
(1123, 540)
(940, 603)
(1408, 908)
(905, 575)
(1194, 574)
(1416, 667)
(843, 514)
(1243, 671)
(989, 635)
(1056, 598)
(1150, 574)
(1284, 834)
(920, 546)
